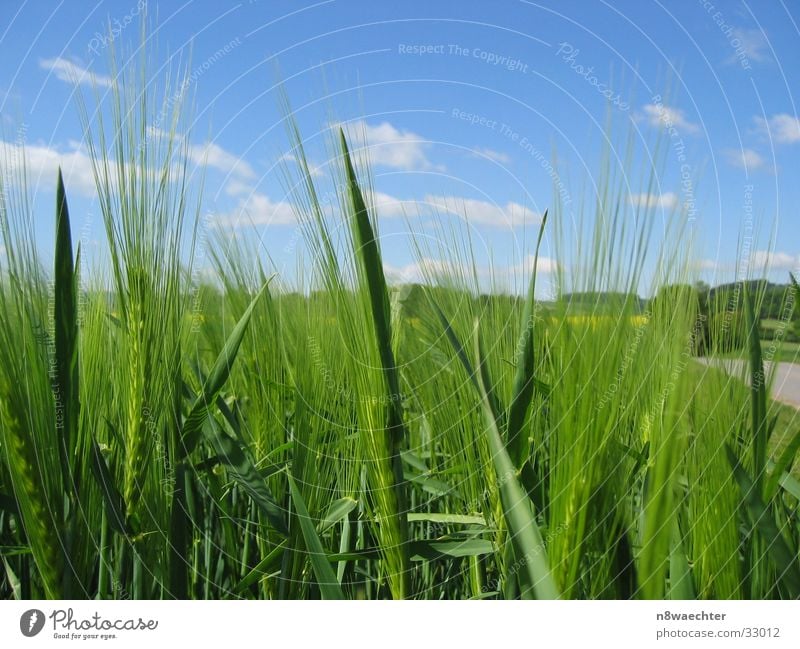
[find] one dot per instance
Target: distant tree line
(722, 315)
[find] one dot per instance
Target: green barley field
(164, 434)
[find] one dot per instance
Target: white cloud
(661, 116)
(160, 134)
(385, 205)
(42, 164)
(666, 201)
(254, 208)
(707, 265)
(483, 212)
(213, 155)
(472, 210)
(388, 206)
(71, 72)
(235, 187)
(525, 267)
(783, 128)
(76, 165)
(419, 271)
(775, 260)
(258, 209)
(744, 158)
(496, 156)
(752, 43)
(389, 146)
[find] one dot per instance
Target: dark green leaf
(758, 394)
(264, 567)
(762, 522)
(9, 504)
(112, 498)
(782, 466)
(65, 323)
(240, 468)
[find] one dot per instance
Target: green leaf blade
(326, 579)
(193, 425)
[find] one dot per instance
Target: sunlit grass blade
(370, 258)
(527, 540)
(681, 584)
(13, 580)
(449, 519)
(329, 587)
(393, 506)
(524, 380)
(454, 341)
(529, 547)
(427, 550)
(790, 484)
(338, 510)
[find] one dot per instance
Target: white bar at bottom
(399, 624)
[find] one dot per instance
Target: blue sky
(463, 106)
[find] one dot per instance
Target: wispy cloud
(525, 267)
(747, 159)
(213, 155)
(775, 260)
(42, 163)
(759, 260)
(388, 206)
(418, 271)
(72, 72)
(76, 164)
(483, 212)
(257, 209)
(389, 146)
(782, 128)
(665, 201)
(752, 43)
(661, 116)
(236, 187)
(428, 268)
(496, 156)
(706, 265)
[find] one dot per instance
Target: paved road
(785, 387)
